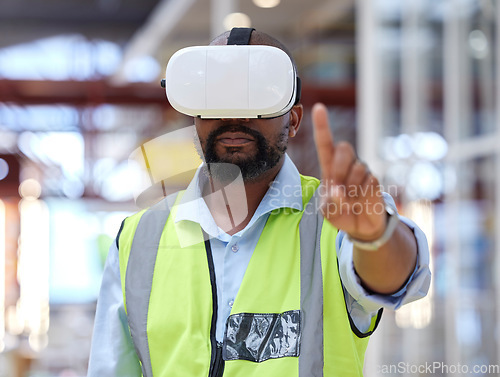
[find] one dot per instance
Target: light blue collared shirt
(112, 352)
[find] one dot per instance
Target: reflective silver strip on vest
(139, 280)
(311, 359)
(139, 277)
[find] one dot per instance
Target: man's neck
(233, 206)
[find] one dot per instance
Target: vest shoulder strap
(311, 289)
(138, 281)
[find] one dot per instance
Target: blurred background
(413, 84)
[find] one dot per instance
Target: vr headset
(232, 81)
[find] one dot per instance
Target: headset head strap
(240, 36)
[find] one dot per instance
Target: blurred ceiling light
(30, 189)
(266, 3)
(37, 118)
(142, 69)
(430, 146)
(403, 146)
(478, 43)
(425, 181)
(61, 57)
(236, 20)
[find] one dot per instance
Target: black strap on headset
(298, 91)
(240, 36)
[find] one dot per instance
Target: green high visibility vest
(289, 317)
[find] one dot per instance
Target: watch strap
(392, 223)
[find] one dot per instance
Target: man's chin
(224, 171)
(239, 159)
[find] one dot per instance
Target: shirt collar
(284, 192)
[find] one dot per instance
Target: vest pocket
(261, 336)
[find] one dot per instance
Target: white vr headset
(232, 81)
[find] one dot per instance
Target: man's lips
(235, 138)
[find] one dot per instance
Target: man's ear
(295, 119)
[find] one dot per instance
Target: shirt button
(231, 303)
(235, 248)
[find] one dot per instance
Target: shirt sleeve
(363, 305)
(112, 352)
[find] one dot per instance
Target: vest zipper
(219, 361)
(216, 360)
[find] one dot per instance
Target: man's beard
(266, 157)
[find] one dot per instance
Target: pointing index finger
(323, 139)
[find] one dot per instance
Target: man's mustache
(235, 127)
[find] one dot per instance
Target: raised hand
(351, 197)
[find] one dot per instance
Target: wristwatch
(392, 223)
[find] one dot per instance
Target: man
(254, 279)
